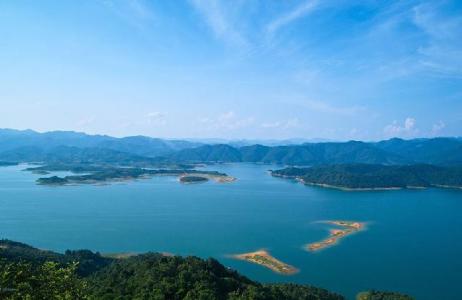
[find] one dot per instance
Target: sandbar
(348, 227)
(263, 258)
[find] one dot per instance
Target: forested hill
(364, 176)
(441, 151)
(26, 273)
(73, 147)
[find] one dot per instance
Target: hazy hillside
(444, 151)
(26, 146)
(306, 154)
(140, 145)
(208, 153)
(434, 151)
(71, 155)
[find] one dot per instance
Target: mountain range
(69, 146)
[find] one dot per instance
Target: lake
(413, 241)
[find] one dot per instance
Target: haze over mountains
(68, 146)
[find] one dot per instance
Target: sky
(240, 69)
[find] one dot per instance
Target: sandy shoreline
(263, 258)
(348, 189)
(348, 228)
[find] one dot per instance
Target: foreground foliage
(30, 273)
(154, 276)
(48, 281)
(377, 295)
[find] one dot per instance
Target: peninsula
(348, 227)
(263, 258)
(361, 177)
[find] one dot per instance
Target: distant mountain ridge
(440, 151)
(31, 146)
(11, 139)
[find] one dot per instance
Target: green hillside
(365, 176)
(30, 273)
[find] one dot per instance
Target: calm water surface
(413, 243)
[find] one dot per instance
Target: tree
(19, 280)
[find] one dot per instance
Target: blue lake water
(413, 243)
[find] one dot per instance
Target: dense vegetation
(153, 276)
(307, 154)
(441, 151)
(358, 176)
(377, 295)
(89, 262)
(29, 273)
(193, 179)
(71, 147)
(19, 280)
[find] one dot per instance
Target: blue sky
(336, 69)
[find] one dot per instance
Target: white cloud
(437, 127)
(290, 123)
(156, 118)
(407, 129)
(298, 12)
(82, 123)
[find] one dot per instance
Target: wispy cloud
(156, 118)
(427, 40)
(135, 12)
(442, 54)
(299, 11)
(325, 107)
(216, 17)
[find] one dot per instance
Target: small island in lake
(93, 174)
(348, 227)
(263, 258)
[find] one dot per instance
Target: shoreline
(263, 258)
(348, 189)
(351, 189)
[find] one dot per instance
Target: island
(192, 179)
(364, 177)
(348, 227)
(263, 258)
(91, 174)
